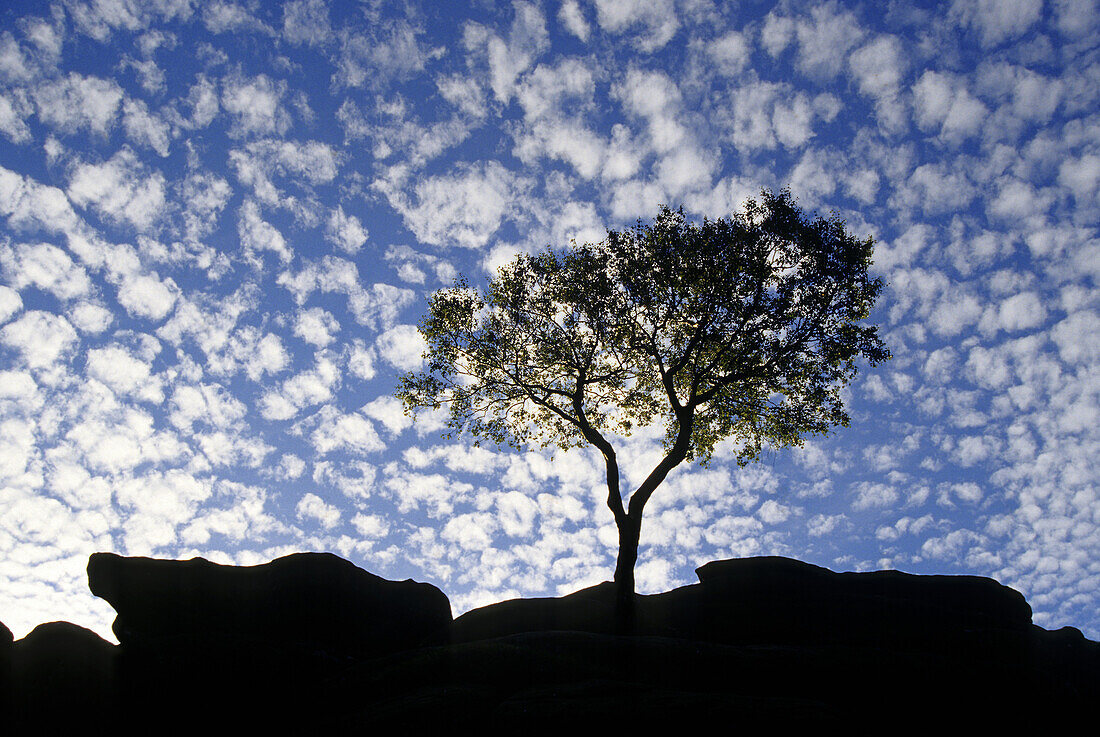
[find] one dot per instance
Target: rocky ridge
(310, 641)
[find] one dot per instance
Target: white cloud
(730, 53)
(221, 16)
(390, 412)
(377, 305)
(402, 347)
(13, 113)
(202, 99)
(91, 317)
(145, 128)
(209, 404)
(508, 58)
(46, 267)
(345, 231)
(256, 105)
(1021, 312)
(10, 303)
(28, 204)
(572, 17)
(205, 196)
(258, 235)
(76, 102)
(146, 295)
(657, 17)
(878, 67)
(316, 326)
(997, 20)
(1078, 337)
(361, 360)
(42, 338)
(464, 209)
(125, 373)
(824, 40)
(516, 513)
(313, 507)
(306, 22)
(471, 531)
(943, 104)
(121, 188)
(306, 388)
(390, 52)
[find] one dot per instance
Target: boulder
(780, 601)
(306, 603)
(589, 610)
(783, 600)
(63, 677)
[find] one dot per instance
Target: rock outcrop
(779, 601)
(64, 679)
(310, 602)
(312, 644)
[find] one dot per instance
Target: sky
(220, 223)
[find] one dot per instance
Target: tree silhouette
(744, 328)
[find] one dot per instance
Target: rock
(5, 668)
(780, 601)
(783, 600)
(315, 603)
(63, 677)
(588, 610)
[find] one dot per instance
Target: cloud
(145, 128)
(75, 102)
(313, 507)
(256, 105)
(316, 326)
(307, 22)
(146, 295)
(41, 338)
(402, 347)
(944, 105)
(220, 16)
(121, 188)
(730, 53)
(461, 209)
(46, 267)
(390, 412)
(997, 21)
(125, 373)
(13, 113)
(572, 17)
(345, 231)
(309, 387)
(657, 17)
(508, 58)
(377, 305)
(258, 235)
(10, 303)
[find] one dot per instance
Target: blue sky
(220, 222)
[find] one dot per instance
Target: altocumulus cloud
(220, 225)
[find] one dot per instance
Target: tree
(745, 328)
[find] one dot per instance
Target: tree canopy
(745, 327)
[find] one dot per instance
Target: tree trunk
(629, 532)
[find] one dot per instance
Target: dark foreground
(311, 644)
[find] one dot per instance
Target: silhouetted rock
(64, 677)
(311, 644)
(316, 602)
(778, 600)
(5, 668)
(773, 599)
(790, 642)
